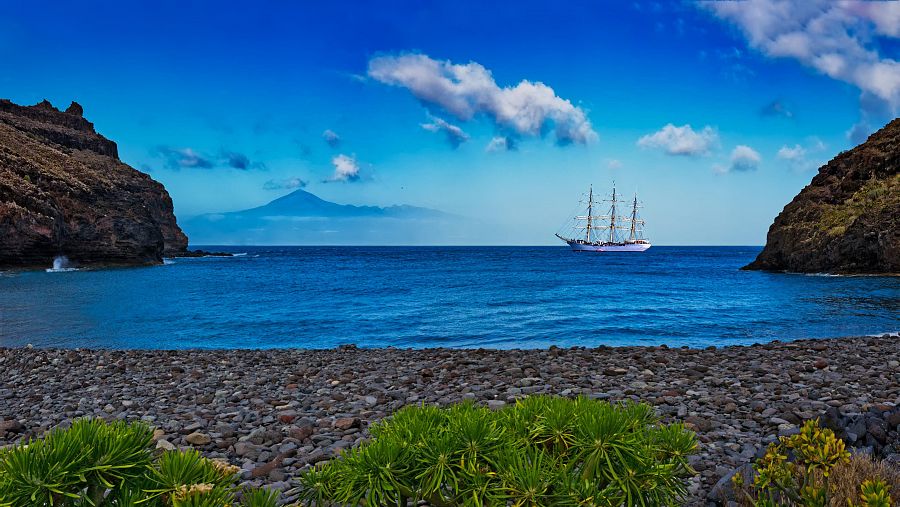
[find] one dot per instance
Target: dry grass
(846, 479)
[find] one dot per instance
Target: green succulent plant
(874, 493)
(98, 464)
(541, 451)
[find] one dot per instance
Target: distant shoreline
(352, 346)
(276, 412)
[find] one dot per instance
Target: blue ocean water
(496, 297)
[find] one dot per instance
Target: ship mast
(590, 212)
(633, 217)
(612, 217)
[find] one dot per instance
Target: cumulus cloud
(287, 183)
(743, 159)
(833, 37)
(792, 154)
(500, 143)
(183, 158)
(681, 140)
(467, 90)
(346, 168)
(798, 155)
(454, 135)
(331, 138)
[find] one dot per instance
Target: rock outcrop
(847, 220)
(64, 191)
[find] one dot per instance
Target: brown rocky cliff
(847, 220)
(64, 191)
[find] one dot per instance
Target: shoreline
(275, 412)
(394, 348)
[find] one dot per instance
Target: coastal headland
(276, 412)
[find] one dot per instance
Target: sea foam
(61, 265)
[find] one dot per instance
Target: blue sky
(228, 104)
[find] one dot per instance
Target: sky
(716, 114)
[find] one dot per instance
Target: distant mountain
(847, 220)
(305, 204)
(302, 218)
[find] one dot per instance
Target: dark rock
(64, 192)
(345, 423)
(699, 423)
(723, 491)
(878, 429)
(197, 438)
(301, 433)
(11, 426)
(264, 470)
(847, 220)
(893, 418)
(75, 108)
(202, 253)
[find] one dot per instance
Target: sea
(460, 297)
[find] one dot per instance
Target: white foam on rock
(61, 265)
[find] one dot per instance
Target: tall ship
(609, 232)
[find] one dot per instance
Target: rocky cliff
(847, 220)
(64, 191)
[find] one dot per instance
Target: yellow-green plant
(804, 479)
(99, 464)
(541, 451)
(874, 493)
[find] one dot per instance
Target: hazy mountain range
(302, 218)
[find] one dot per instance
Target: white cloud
(798, 155)
(331, 138)
(614, 164)
(743, 159)
(681, 140)
(345, 168)
(467, 90)
(832, 37)
(455, 135)
(792, 154)
(500, 143)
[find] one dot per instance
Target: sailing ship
(610, 232)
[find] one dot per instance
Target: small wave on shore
(61, 264)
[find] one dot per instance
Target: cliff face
(847, 220)
(64, 191)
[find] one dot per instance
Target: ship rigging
(610, 232)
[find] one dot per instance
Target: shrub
(812, 469)
(94, 463)
(542, 451)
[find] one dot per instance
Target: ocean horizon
(313, 297)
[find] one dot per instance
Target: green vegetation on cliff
(847, 220)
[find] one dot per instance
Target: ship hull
(588, 247)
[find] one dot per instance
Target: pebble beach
(276, 412)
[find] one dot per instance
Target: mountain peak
(301, 217)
